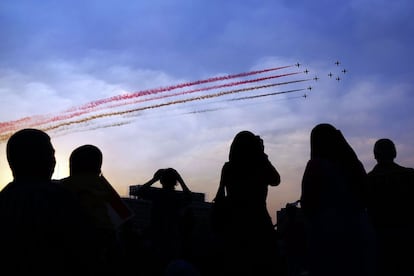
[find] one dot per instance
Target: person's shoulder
(409, 173)
(390, 172)
(409, 170)
(317, 163)
(7, 192)
(7, 187)
(226, 167)
(398, 169)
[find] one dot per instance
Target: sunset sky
(99, 58)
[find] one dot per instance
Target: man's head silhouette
(384, 150)
(31, 155)
(86, 159)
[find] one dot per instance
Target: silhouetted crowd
(349, 222)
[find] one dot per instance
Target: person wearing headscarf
(339, 235)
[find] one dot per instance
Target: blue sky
(55, 55)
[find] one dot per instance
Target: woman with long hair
(249, 234)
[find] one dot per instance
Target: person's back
(390, 188)
(167, 203)
(43, 230)
(38, 233)
(337, 228)
(86, 183)
(166, 232)
(94, 194)
(245, 179)
(244, 226)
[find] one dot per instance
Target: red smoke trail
(44, 119)
(78, 111)
(203, 97)
(5, 126)
(172, 87)
(41, 120)
(93, 117)
(4, 137)
(199, 90)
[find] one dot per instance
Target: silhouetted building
(292, 239)
(201, 235)
(133, 193)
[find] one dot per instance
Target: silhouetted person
(390, 191)
(338, 231)
(249, 234)
(169, 225)
(94, 193)
(43, 231)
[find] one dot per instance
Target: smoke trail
(172, 87)
(200, 90)
(203, 97)
(117, 113)
(246, 98)
(62, 132)
(70, 116)
(56, 127)
(266, 95)
(6, 128)
(203, 110)
(11, 125)
(39, 120)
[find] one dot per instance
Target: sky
(158, 84)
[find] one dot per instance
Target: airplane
(316, 78)
(310, 87)
(338, 78)
(330, 75)
(344, 71)
(297, 64)
(306, 71)
(337, 63)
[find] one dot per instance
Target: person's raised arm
(155, 178)
(221, 191)
(182, 183)
(273, 175)
(144, 187)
